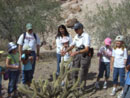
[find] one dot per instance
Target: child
(27, 61)
(104, 53)
(65, 42)
(126, 92)
(13, 65)
(118, 61)
(1, 72)
(66, 57)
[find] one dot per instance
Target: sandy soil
(46, 66)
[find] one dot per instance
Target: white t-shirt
(59, 44)
(108, 51)
(66, 56)
(119, 57)
(29, 40)
(84, 39)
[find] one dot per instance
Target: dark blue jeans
(13, 80)
(26, 76)
(104, 67)
(119, 72)
(34, 62)
(58, 63)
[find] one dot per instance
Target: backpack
(24, 35)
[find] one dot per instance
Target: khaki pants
(83, 63)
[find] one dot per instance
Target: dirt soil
(45, 67)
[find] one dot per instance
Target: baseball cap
(119, 38)
(27, 47)
(11, 46)
(77, 26)
(65, 39)
(107, 41)
(28, 26)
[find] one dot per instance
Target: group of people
(110, 59)
(21, 60)
(81, 43)
(115, 60)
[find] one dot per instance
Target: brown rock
(70, 22)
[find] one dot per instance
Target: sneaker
(120, 95)
(97, 85)
(105, 85)
(113, 92)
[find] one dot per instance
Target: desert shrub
(53, 89)
(110, 20)
(14, 14)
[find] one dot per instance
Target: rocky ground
(47, 65)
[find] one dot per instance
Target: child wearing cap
(126, 92)
(1, 72)
(104, 55)
(66, 57)
(14, 67)
(27, 61)
(118, 61)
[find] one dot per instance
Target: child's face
(27, 51)
(119, 43)
(14, 51)
(66, 44)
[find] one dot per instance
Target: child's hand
(16, 67)
(30, 57)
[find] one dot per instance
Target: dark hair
(59, 33)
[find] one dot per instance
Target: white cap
(11, 46)
(119, 38)
(26, 47)
(65, 39)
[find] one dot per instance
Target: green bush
(14, 14)
(110, 20)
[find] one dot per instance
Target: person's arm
(67, 50)
(20, 45)
(125, 56)
(38, 50)
(20, 50)
(38, 46)
(70, 48)
(111, 63)
(10, 66)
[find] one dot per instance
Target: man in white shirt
(31, 39)
(81, 56)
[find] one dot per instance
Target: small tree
(14, 14)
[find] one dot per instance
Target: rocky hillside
(77, 9)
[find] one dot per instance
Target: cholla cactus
(53, 89)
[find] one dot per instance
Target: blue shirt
(27, 66)
(128, 73)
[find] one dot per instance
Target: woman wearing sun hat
(104, 53)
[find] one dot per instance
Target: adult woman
(62, 32)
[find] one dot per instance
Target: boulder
(70, 22)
